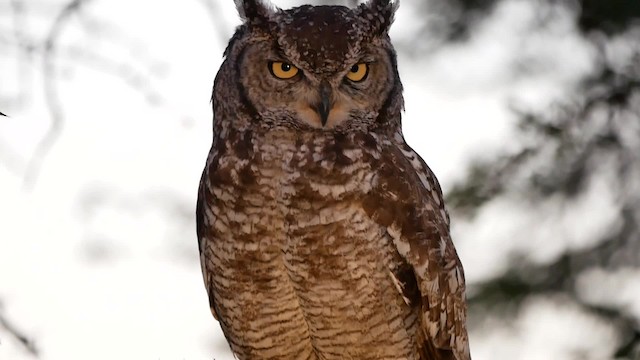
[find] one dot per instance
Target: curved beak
(324, 107)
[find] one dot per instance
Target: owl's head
(311, 67)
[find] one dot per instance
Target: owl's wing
(200, 231)
(406, 199)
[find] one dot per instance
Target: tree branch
(28, 345)
(51, 97)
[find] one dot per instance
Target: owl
(322, 234)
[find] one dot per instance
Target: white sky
(95, 276)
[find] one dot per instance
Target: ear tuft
(254, 12)
(379, 14)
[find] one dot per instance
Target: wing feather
(408, 201)
(201, 228)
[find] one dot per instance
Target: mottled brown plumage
(322, 234)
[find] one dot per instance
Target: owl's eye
(282, 70)
(358, 72)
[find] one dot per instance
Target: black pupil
(285, 67)
(355, 68)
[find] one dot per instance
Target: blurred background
(528, 111)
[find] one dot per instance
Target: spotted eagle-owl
(322, 234)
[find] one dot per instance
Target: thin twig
(18, 335)
(128, 73)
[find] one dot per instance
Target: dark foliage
(609, 16)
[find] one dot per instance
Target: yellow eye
(282, 70)
(358, 72)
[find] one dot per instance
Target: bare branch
(51, 96)
(217, 20)
(23, 55)
(18, 335)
